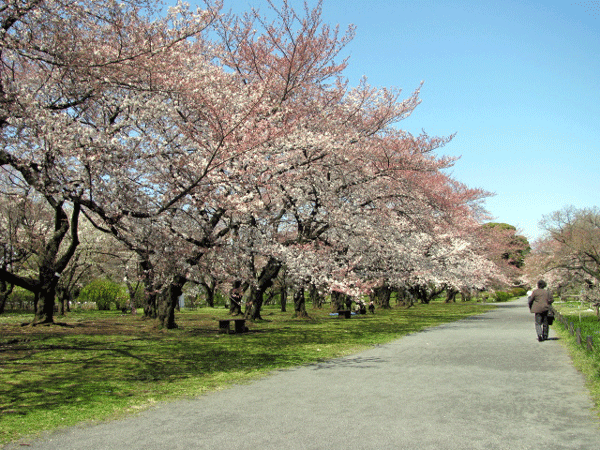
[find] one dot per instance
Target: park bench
(239, 325)
(345, 313)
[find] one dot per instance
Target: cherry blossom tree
(24, 227)
(207, 142)
(65, 64)
(340, 167)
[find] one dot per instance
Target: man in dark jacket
(540, 302)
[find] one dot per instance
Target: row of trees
(568, 256)
(231, 146)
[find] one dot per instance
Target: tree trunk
(236, 295)
(315, 297)
(3, 298)
(420, 294)
(168, 302)
(132, 291)
(382, 296)
(337, 301)
(405, 296)
(210, 292)
(300, 304)
(5, 290)
(254, 304)
(283, 298)
(270, 294)
(150, 307)
(210, 298)
(426, 295)
(150, 290)
(51, 266)
(44, 312)
(62, 300)
(265, 281)
(235, 308)
(451, 295)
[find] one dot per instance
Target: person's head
(541, 284)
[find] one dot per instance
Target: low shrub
(104, 293)
(20, 299)
(502, 296)
(518, 292)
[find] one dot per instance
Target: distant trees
(569, 254)
(506, 249)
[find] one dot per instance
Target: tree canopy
(569, 253)
(232, 145)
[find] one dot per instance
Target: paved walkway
(480, 383)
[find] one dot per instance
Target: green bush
(518, 292)
(502, 296)
(20, 299)
(104, 293)
(220, 299)
(138, 299)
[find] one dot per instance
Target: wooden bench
(345, 313)
(239, 325)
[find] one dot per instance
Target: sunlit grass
(96, 366)
(587, 362)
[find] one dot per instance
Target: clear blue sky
(517, 81)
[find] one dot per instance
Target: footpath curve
(480, 383)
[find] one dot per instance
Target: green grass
(587, 362)
(95, 366)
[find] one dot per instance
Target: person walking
(540, 302)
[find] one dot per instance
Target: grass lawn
(93, 366)
(587, 362)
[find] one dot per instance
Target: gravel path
(481, 383)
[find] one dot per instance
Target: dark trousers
(541, 324)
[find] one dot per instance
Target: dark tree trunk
(419, 294)
(132, 291)
(265, 281)
(235, 308)
(210, 298)
(51, 266)
(338, 300)
(426, 295)
(44, 312)
(315, 297)
(381, 296)
(169, 301)
(36, 300)
(44, 309)
(5, 290)
(283, 298)
(150, 305)
(300, 304)
(451, 295)
(3, 298)
(150, 290)
(270, 294)
(466, 295)
(236, 295)
(210, 292)
(405, 297)
(254, 304)
(63, 295)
